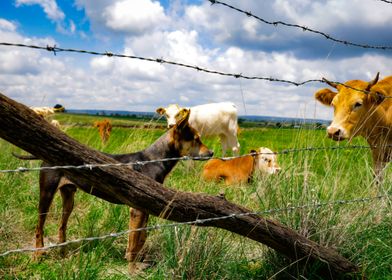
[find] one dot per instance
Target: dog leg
(67, 195)
(48, 187)
(136, 239)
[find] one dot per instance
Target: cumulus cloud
(53, 12)
(7, 25)
(50, 7)
(134, 16)
(211, 37)
(353, 21)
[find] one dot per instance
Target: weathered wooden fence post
(23, 128)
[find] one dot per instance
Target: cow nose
(334, 132)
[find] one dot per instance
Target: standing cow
(364, 112)
(214, 119)
(104, 128)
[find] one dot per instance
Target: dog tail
(27, 157)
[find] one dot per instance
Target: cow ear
(376, 97)
(253, 151)
(160, 111)
(184, 113)
(325, 96)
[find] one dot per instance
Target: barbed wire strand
(185, 158)
(302, 27)
(314, 205)
(386, 1)
(56, 49)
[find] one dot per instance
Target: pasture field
(360, 231)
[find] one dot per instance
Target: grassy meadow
(359, 231)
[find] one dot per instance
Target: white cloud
(135, 16)
(50, 7)
(333, 13)
(211, 37)
(7, 25)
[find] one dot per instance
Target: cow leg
(67, 195)
(224, 143)
(136, 239)
(48, 187)
(233, 143)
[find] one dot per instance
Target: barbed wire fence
(54, 49)
(314, 205)
(386, 1)
(302, 27)
(187, 158)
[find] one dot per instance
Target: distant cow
(47, 112)
(366, 113)
(241, 169)
(104, 128)
(215, 119)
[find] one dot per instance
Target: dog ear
(325, 96)
(253, 151)
(184, 117)
(183, 113)
(160, 111)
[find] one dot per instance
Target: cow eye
(357, 105)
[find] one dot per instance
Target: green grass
(359, 231)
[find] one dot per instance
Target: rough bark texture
(22, 127)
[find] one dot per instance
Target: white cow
(214, 119)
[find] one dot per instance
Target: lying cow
(366, 113)
(214, 119)
(241, 169)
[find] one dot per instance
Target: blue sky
(193, 32)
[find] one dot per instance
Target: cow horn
(332, 84)
(373, 82)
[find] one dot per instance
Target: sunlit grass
(359, 231)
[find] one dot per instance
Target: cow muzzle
(336, 133)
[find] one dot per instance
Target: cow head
(186, 140)
(173, 114)
(266, 161)
(352, 108)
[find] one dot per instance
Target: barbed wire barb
(304, 28)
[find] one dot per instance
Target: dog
(180, 140)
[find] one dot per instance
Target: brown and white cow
(214, 119)
(241, 170)
(364, 112)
